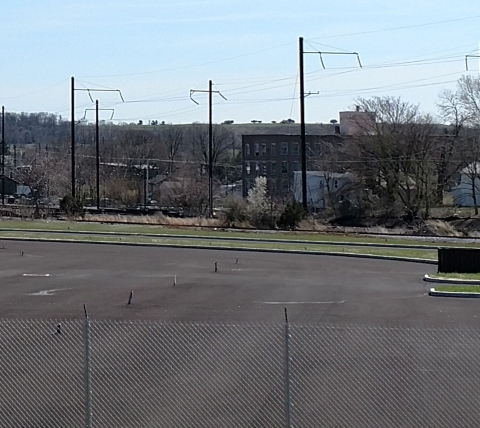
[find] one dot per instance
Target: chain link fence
(135, 374)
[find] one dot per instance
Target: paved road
(316, 289)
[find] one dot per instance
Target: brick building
(356, 122)
(276, 157)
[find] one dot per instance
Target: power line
(186, 67)
(405, 27)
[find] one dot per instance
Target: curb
(433, 292)
(254, 250)
(428, 278)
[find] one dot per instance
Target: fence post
(288, 396)
(88, 373)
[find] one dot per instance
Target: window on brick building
(296, 149)
(273, 149)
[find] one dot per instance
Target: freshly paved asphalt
(315, 289)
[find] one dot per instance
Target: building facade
(356, 122)
(277, 157)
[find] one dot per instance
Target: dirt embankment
(450, 226)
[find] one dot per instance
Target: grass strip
(153, 229)
(459, 288)
(463, 276)
(392, 252)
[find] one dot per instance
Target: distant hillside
(280, 128)
(49, 130)
(247, 128)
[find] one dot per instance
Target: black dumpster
(460, 260)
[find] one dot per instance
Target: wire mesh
(42, 374)
(137, 374)
(379, 377)
(187, 375)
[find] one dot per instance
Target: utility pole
(97, 146)
(97, 154)
(210, 151)
(302, 111)
(210, 142)
(145, 186)
(89, 90)
(3, 155)
(469, 56)
(303, 145)
(73, 136)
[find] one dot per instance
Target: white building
(463, 192)
(321, 186)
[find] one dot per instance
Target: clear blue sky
(156, 51)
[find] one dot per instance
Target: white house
(321, 185)
(463, 192)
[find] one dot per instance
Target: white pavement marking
(48, 292)
(37, 274)
(301, 303)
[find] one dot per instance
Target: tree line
(403, 162)
(128, 156)
(406, 160)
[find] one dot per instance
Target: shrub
(235, 210)
(72, 207)
(291, 216)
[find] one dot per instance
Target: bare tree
(468, 95)
(134, 147)
(392, 155)
(187, 190)
(447, 155)
(221, 143)
(173, 139)
(43, 173)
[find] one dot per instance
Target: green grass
(153, 229)
(465, 276)
(393, 252)
(459, 288)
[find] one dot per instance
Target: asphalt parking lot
(368, 346)
(54, 280)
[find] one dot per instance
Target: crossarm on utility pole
(210, 92)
